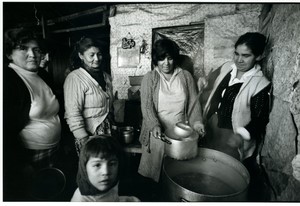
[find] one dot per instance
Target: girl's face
(102, 173)
(166, 65)
(244, 59)
(27, 56)
(92, 57)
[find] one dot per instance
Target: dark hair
(163, 48)
(18, 36)
(254, 40)
(81, 46)
(103, 146)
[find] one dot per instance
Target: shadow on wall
(186, 63)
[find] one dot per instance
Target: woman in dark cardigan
(236, 103)
(31, 125)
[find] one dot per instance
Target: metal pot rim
(209, 195)
(170, 133)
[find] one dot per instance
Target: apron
(171, 101)
(151, 159)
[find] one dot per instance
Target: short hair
(18, 36)
(164, 47)
(254, 40)
(103, 146)
(81, 46)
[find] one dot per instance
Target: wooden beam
(78, 28)
(43, 27)
(77, 15)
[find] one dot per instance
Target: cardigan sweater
(16, 107)
(241, 114)
(86, 104)
(149, 102)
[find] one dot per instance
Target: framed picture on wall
(128, 58)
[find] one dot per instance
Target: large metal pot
(211, 176)
(181, 148)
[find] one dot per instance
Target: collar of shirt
(176, 71)
(20, 69)
(246, 75)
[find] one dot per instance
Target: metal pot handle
(162, 137)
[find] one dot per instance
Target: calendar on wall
(128, 58)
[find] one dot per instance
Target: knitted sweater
(86, 104)
(243, 104)
(149, 102)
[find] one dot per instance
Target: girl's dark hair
(254, 40)
(98, 146)
(81, 46)
(163, 48)
(18, 36)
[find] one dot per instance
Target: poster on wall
(128, 58)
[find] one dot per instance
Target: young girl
(98, 172)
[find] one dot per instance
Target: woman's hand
(156, 131)
(200, 128)
(296, 167)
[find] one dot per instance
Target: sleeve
(74, 95)
(147, 105)
(259, 113)
(16, 106)
(16, 103)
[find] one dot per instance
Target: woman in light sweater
(167, 95)
(236, 103)
(88, 92)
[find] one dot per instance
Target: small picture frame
(128, 58)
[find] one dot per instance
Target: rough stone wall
(222, 32)
(140, 19)
(282, 25)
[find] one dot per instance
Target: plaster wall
(223, 24)
(281, 24)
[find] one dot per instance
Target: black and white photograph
(150, 101)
